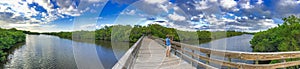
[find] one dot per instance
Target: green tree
(285, 37)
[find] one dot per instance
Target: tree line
(8, 38)
(122, 32)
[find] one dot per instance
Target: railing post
(283, 60)
(182, 48)
(256, 61)
(193, 55)
(208, 55)
(229, 59)
(175, 49)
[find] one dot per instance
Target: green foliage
(67, 35)
(121, 33)
(8, 38)
(285, 37)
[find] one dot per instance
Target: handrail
(240, 55)
(243, 65)
(243, 55)
(187, 57)
(128, 58)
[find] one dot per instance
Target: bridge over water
(149, 53)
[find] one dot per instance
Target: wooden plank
(128, 57)
(152, 56)
(244, 65)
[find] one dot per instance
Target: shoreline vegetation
(120, 32)
(285, 37)
(9, 38)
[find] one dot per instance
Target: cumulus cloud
(95, 1)
(45, 10)
(128, 12)
(250, 15)
(152, 7)
(176, 17)
(201, 5)
(228, 4)
(285, 8)
(39, 13)
(245, 4)
(259, 2)
(88, 27)
(213, 15)
(155, 1)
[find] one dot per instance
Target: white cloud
(163, 7)
(176, 17)
(246, 5)
(103, 25)
(286, 8)
(289, 2)
(268, 23)
(18, 14)
(245, 17)
(88, 27)
(227, 4)
(201, 5)
(95, 1)
(128, 12)
(259, 2)
(156, 1)
(212, 0)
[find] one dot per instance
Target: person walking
(168, 45)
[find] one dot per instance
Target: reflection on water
(236, 43)
(44, 51)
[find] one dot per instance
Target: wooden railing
(180, 48)
(129, 57)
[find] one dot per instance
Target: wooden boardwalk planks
(152, 56)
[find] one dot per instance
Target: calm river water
(51, 52)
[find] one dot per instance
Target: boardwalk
(152, 56)
(149, 54)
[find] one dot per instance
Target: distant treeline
(122, 32)
(9, 38)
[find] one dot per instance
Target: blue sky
(191, 15)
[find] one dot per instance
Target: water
(51, 52)
(235, 43)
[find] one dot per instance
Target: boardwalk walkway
(152, 56)
(147, 53)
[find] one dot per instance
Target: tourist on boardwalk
(168, 44)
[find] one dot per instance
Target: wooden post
(193, 55)
(208, 55)
(175, 50)
(229, 59)
(182, 48)
(283, 60)
(256, 61)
